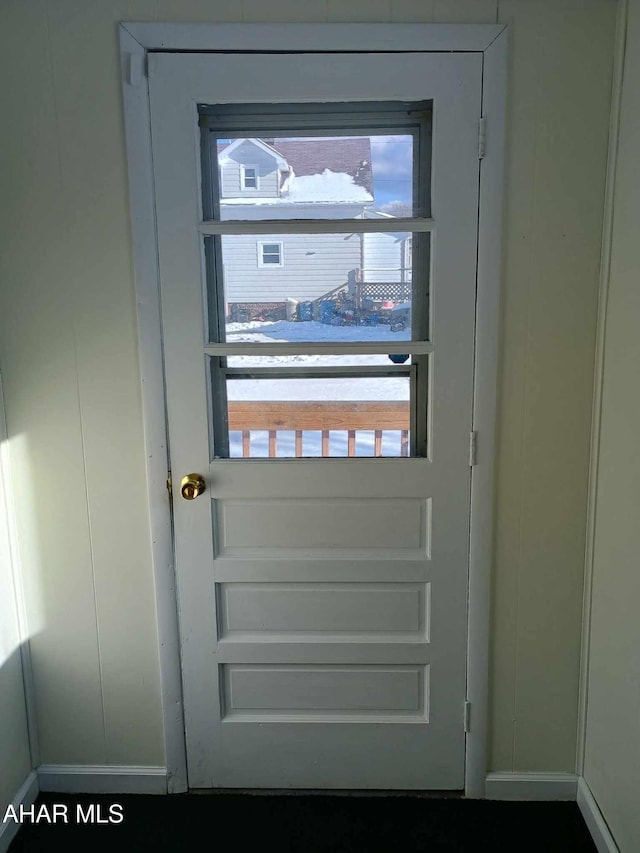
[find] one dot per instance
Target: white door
(322, 601)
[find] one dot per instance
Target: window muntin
(341, 295)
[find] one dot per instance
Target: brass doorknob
(191, 486)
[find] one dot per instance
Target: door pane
(320, 416)
(316, 177)
(319, 287)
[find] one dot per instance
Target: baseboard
(25, 797)
(531, 786)
(596, 823)
(97, 779)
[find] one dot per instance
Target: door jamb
(136, 40)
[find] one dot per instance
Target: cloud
(392, 157)
(392, 160)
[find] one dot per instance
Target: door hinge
(482, 138)
(473, 448)
(467, 717)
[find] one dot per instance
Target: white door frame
(136, 40)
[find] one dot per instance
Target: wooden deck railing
(324, 417)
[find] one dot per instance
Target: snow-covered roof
(326, 186)
(333, 169)
(350, 155)
(334, 187)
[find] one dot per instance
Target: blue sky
(391, 157)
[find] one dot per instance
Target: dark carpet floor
(239, 823)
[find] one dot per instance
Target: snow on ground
(324, 388)
(312, 443)
(333, 388)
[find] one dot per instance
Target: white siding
(250, 155)
(384, 252)
(313, 265)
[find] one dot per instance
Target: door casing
(136, 40)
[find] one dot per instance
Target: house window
(270, 255)
(249, 177)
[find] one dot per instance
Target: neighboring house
(297, 179)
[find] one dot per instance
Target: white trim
(531, 786)
(313, 226)
(367, 38)
(145, 254)
(243, 176)
(318, 348)
(136, 40)
(494, 103)
(596, 417)
(102, 779)
(596, 824)
(25, 797)
(260, 246)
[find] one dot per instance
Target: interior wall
(15, 757)
(68, 350)
(560, 82)
(612, 750)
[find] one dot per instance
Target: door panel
(360, 527)
(318, 692)
(322, 602)
(364, 611)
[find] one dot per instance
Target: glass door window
(318, 278)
